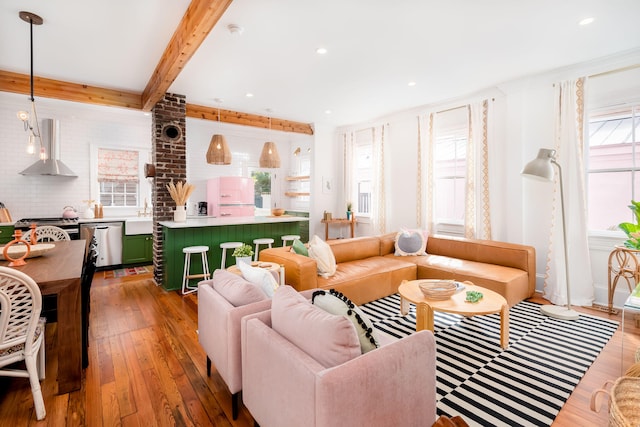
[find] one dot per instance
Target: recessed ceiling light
(412, 83)
(248, 95)
(586, 21)
(327, 111)
(321, 50)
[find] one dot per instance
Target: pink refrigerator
(230, 196)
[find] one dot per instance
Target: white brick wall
(82, 126)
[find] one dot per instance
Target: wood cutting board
(5, 216)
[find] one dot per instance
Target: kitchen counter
(213, 231)
(215, 222)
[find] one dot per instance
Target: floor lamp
(541, 168)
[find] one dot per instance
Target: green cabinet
(6, 234)
(174, 239)
(137, 249)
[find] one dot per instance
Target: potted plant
(349, 210)
(243, 254)
(632, 230)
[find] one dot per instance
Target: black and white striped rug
(524, 385)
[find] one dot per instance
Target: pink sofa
(393, 385)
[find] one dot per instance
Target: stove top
(26, 222)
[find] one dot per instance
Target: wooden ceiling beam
(246, 119)
(76, 92)
(197, 22)
(58, 89)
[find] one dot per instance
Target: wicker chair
(48, 233)
(22, 331)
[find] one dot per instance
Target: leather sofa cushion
(346, 250)
(368, 279)
(509, 282)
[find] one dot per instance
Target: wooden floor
(147, 368)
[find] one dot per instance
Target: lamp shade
(218, 152)
(541, 168)
(269, 157)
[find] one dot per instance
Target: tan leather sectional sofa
(367, 268)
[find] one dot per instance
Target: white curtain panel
(420, 171)
(569, 114)
(349, 140)
(478, 201)
(378, 205)
(428, 175)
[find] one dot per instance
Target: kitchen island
(213, 231)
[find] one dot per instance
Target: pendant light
(218, 152)
(269, 158)
(30, 120)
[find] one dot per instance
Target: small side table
(271, 266)
(327, 222)
(623, 264)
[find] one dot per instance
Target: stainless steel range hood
(50, 135)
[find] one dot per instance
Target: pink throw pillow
(235, 289)
(330, 339)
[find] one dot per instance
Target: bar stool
(224, 246)
(288, 237)
(262, 241)
(202, 250)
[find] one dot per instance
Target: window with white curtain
(362, 191)
(450, 166)
(118, 177)
(613, 165)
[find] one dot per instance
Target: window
(450, 166)
(613, 174)
(363, 153)
(118, 177)
(262, 189)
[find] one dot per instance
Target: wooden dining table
(59, 272)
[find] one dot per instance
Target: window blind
(117, 165)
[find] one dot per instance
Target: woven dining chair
(48, 233)
(22, 331)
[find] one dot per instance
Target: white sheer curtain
(378, 205)
(569, 115)
(428, 174)
(477, 222)
(349, 140)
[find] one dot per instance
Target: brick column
(170, 160)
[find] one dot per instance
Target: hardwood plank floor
(147, 369)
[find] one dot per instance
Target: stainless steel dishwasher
(108, 239)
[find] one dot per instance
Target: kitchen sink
(138, 225)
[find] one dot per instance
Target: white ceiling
(375, 47)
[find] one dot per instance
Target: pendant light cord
(31, 48)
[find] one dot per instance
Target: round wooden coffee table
(491, 302)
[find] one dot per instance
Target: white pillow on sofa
(335, 302)
(261, 277)
(320, 251)
(411, 242)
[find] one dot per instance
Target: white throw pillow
(411, 242)
(260, 277)
(335, 302)
(322, 253)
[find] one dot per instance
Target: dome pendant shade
(269, 157)
(218, 152)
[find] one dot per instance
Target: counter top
(214, 222)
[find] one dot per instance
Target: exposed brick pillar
(170, 160)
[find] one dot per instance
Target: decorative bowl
(438, 289)
(277, 211)
(16, 251)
